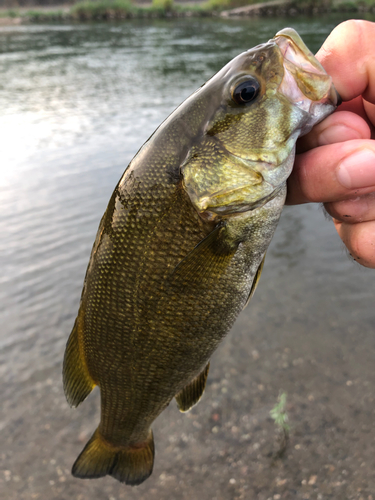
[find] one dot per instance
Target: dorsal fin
(76, 379)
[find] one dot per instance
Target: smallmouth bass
(181, 246)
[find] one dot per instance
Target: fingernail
(338, 133)
(357, 170)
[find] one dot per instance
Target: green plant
(278, 413)
(102, 9)
(217, 4)
(10, 13)
(39, 16)
(346, 6)
(313, 3)
(166, 5)
(280, 417)
(227, 4)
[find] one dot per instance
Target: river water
(77, 102)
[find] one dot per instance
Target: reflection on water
(77, 102)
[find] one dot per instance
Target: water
(77, 103)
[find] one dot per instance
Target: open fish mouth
(305, 82)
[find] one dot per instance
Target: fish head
(262, 101)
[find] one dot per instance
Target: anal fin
(192, 393)
(76, 379)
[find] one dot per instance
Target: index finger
(348, 55)
(325, 174)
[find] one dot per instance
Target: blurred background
(78, 101)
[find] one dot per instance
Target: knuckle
(361, 243)
(341, 212)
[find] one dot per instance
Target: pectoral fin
(255, 281)
(192, 393)
(210, 258)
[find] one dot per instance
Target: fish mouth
(305, 82)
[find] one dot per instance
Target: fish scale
(181, 246)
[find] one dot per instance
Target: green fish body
(180, 248)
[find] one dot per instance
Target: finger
(332, 173)
(360, 209)
(360, 241)
(339, 127)
(361, 108)
(351, 65)
(370, 112)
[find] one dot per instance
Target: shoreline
(117, 10)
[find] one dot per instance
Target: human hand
(335, 163)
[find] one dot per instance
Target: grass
(41, 16)
(166, 5)
(353, 5)
(103, 10)
(279, 414)
(280, 417)
(227, 4)
(87, 10)
(12, 13)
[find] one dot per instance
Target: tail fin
(131, 465)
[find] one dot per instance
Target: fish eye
(246, 91)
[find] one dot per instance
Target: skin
(336, 160)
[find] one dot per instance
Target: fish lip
(298, 59)
(294, 50)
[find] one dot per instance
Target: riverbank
(109, 10)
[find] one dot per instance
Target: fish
(181, 247)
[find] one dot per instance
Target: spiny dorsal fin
(255, 281)
(76, 379)
(128, 464)
(192, 393)
(209, 258)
